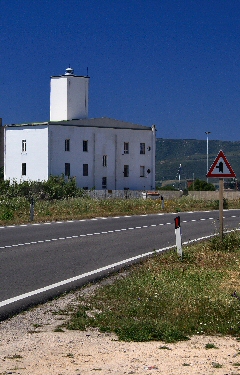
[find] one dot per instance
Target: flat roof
(102, 122)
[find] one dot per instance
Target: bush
(229, 243)
(55, 188)
(200, 185)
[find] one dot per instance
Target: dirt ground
(29, 345)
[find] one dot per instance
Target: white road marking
(97, 233)
(90, 273)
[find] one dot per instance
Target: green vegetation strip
(166, 298)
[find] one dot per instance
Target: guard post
(178, 236)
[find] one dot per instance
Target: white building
(100, 153)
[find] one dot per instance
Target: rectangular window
(104, 183)
(142, 171)
(104, 160)
(85, 146)
(24, 169)
(67, 169)
(126, 171)
(67, 144)
(24, 145)
(142, 148)
(85, 169)
(126, 147)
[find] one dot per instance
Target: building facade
(1, 144)
(100, 153)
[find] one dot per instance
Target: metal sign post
(221, 208)
(220, 169)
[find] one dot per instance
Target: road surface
(41, 261)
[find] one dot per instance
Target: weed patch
(168, 299)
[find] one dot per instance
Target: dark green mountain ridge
(192, 155)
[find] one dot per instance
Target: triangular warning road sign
(221, 167)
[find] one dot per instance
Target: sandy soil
(29, 345)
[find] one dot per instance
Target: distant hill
(192, 155)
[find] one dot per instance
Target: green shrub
(55, 188)
(229, 243)
(201, 185)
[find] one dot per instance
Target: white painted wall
(35, 157)
(46, 155)
(103, 141)
(68, 97)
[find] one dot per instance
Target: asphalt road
(41, 261)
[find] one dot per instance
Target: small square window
(142, 148)
(104, 161)
(85, 169)
(24, 145)
(85, 146)
(24, 169)
(126, 171)
(126, 148)
(67, 144)
(67, 169)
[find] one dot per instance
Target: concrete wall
(35, 156)
(45, 155)
(1, 144)
(103, 141)
(69, 98)
(209, 195)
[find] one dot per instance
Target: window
(67, 144)
(142, 171)
(24, 145)
(67, 169)
(85, 146)
(104, 183)
(85, 169)
(126, 147)
(142, 148)
(24, 169)
(104, 160)
(126, 171)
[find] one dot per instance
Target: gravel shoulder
(30, 344)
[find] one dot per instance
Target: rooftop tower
(69, 96)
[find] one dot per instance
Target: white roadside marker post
(178, 236)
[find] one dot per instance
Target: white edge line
(67, 281)
(94, 272)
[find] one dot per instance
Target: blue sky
(172, 63)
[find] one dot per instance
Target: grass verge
(17, 210)
(169, 299)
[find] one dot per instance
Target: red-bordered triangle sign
(221, 167)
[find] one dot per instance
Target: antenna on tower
(87, 71)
